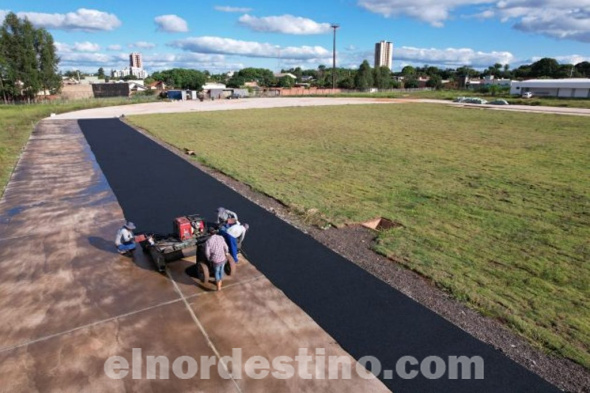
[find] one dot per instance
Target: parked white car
(527, 94)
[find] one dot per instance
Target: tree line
(366, 77)
(28, 61)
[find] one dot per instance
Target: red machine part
(200, 227)
(184, 229)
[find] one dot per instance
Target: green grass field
(18, 121)
(495, 206)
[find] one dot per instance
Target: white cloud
(434, 12)
(115, 47)
(286, 24)
(571, 59)
(572, 24)
(78, 60)
(142, 45)
(61, 47)
(171, 24)
(451, 57)
(567, 19)
(230, 46)
(86, 47)
(486, 14)
(232, 9)
(211, 62)
(83, 19)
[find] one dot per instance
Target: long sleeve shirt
(216, 249)
(124, 236)
(223, 215)
(238, 231)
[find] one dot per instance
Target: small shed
(176, 94)
(101, 90)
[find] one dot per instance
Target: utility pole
(334, 26)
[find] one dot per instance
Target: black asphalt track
(365, 315)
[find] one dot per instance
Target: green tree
(494, 89)
(347, 81)
(435, 81)
(522, 72)
(262, 76)
(546, 67)
(181, 78)
(467, 71)
(382, 78)
(583, 69)
(410, 83)
(218, 78)
(28, 61)
(100, 73)
(18, 49)
(496, 69)
(364, 76)
(298, 72)
(236, 81)
(48, 61)
(567, 71)
(286, 81)
(506, 72)
(431, 71)
(408, 71)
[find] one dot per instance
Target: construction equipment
(188, 233)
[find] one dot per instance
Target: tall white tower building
(383, 54)
(135, 60)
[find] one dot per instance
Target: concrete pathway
(217, 105)
(254, 103)
(69, 302)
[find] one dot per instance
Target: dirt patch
(355, 242)
(381, 224)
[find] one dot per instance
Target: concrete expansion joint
(225, 287)
(202, 329)
(89, 325)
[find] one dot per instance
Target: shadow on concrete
(191, 272)
(102, 244)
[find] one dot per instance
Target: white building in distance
(565, 88)
(135, 68)
(383, 54)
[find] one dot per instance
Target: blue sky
(222, 36)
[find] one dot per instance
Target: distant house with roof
(157, 85)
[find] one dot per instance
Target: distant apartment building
(135, 60)
(135, 68)
(383, 54)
